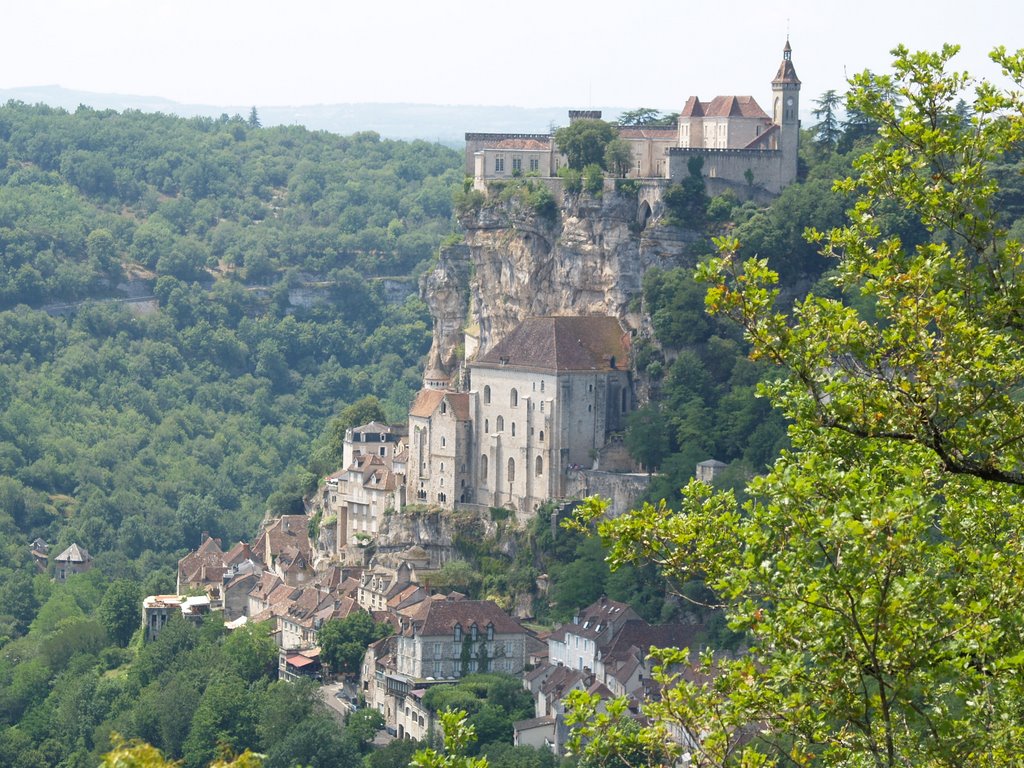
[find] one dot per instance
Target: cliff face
(590, 259)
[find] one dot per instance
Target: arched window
(511, 470)
(487, 395)
(487, 426)
(513, 398)
(458, 633)
(490, 632)
(472, 633)
(541, 435)
(483, 467)
(444, 406)
(540, 466)
(513, 429)
(500, 424)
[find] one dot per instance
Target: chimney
(203, 537)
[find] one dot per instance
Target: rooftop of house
(74, 554)
(557, 344)
(282, 532)
(440, 617)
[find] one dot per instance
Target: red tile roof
(523, 144)
(440, 617)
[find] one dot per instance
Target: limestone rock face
(445, 290)
(590, 260)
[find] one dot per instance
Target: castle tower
(786, 113)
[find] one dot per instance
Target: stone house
(447, 639)
(441, 443)
(74, 559)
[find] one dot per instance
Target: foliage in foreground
(876, 568)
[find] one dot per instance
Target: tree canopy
(874, 568)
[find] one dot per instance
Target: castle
(739, 143)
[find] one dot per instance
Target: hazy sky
(525, 53)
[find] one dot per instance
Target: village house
(447, 639)
(604, 650)
(73, 560)
(158, 609)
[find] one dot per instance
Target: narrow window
(540, 466)
(500, 424)
(458, 633)
(513, 429)
(541, 435)
(513, 398)
(483, 466)
(511, 470)
(487, 395)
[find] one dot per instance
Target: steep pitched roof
(692, 108)
(74, 554)
(787, 72)
(576, 343)
(734, 106)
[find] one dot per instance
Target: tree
(362, 725)
(827, 132)
(120, 610)
(458, 737)
(875, 569)
(645, 117)
(343, 641)
(254, 119)
(252, 652)
(618, 157)
(583, 142)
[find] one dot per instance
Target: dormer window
(458, 633)
(490, 632)
(472, 633)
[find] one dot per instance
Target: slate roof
(74, 554)
(575, 343)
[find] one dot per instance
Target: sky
(528, 53)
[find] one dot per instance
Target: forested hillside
(132, 428)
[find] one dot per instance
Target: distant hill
(444, 123)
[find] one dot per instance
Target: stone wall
(622, 489)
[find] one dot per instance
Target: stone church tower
(786, 113)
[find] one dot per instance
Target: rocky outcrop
(589, 259)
